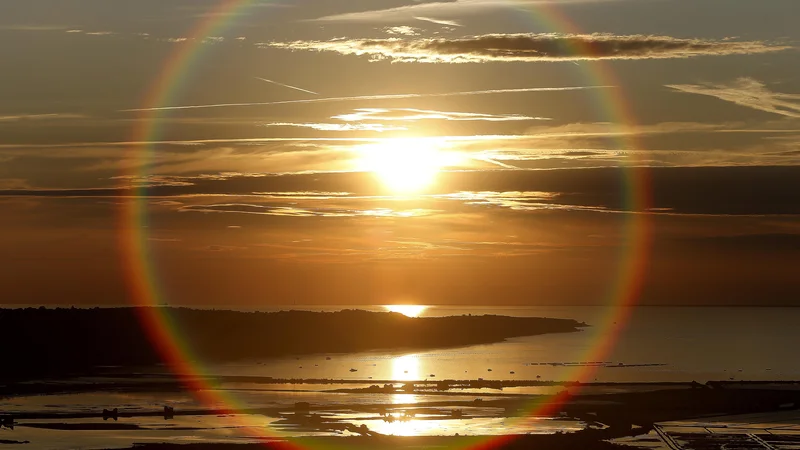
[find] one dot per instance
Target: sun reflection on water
(407, 310)
(403, 399)
(405, 368)
(410, 427)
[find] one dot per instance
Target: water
(675, 344)
(656, 344)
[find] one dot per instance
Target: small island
(79, 340)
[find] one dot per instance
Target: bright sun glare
(407, 310)
(405, 165)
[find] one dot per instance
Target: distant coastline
(54, 342)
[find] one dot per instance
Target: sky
(468, 152)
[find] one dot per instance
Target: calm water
(700, 343)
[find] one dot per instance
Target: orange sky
(459, 152)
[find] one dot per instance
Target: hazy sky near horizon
(395, 151)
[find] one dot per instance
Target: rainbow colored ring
(144, 283)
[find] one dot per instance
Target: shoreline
(508, 442)
(600, 417)
(79, 341)
(167, 382)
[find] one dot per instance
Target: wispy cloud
(209, 10)
(288, 86)
(747, 92)
(14, 183)
(295, 211)
(222, 248)
(403, 30)
(304, 195)
(92, 33)
(531, 47)
(410, 114)
(51, 116)
(513, 191)
(377, 127)
(435, 8)
(145, 36)
(449, 23)
(516, 200)
(371, 97)
(32, 27)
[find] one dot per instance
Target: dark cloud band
(724, 191)
(531, 47)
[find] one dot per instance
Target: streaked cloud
(377, 127)
(537, 147)
(288, 86)
(51, 116)
(371, 97)
(14, 183)
(97, 32)
(531, 47)
(449, 23)
(747, 92)
(210, 10)
(616, 129)
(410, 114)
(305, 195)
(32, 27)
(435, 8)
(517, 200)
(296, 211)
(674, 191)
(403, 30)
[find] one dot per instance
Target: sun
(405, 165)
(407, 310)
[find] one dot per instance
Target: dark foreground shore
(600, 418)
(541, 442)
(41, 342)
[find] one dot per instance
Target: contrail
(369, 97)
(288, 86)
(451, 23)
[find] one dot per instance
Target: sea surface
(652, 344)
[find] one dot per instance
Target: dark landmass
(606, 416)
(112, 426)
(138, 382)
(542, 442)
(42, 342)
(620, 413)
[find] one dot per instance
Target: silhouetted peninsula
(41, 341)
